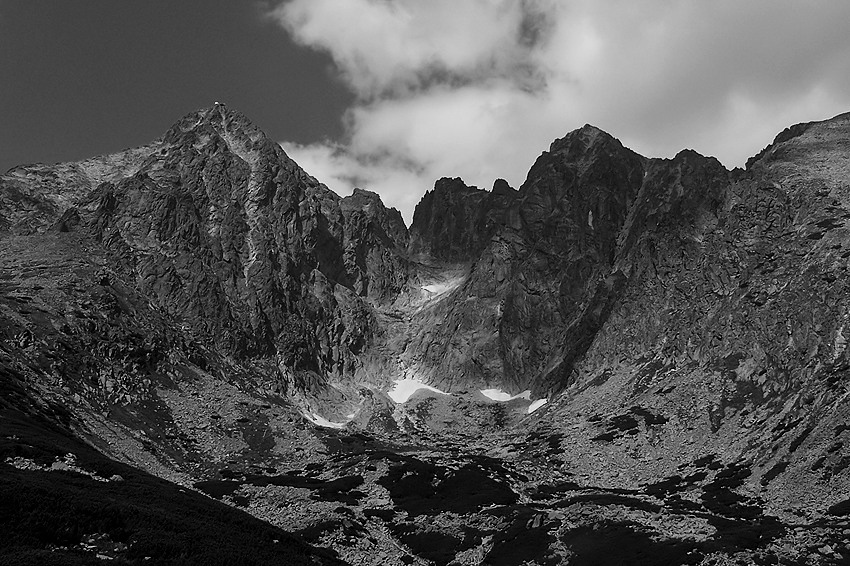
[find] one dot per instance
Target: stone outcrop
(453, 222)
(374, 247)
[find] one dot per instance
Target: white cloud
(479, 88)
(386, 46)
(341, 170)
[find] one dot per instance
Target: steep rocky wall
(375, 246)
(454, 222)
(543, 252)
(729, 325)
(230, 237)
(749, 265)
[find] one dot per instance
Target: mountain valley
(207, 356)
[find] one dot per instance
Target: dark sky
(83, 78)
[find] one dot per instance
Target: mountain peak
(590, 128)
(218, 118)
(583, 139)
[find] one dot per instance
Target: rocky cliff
(544, 251)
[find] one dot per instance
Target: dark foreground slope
(62, 502)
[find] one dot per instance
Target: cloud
(391, 47)
(342, 170)
(479, 88)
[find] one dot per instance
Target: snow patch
(322, 421)
(405, 388)
(536, 405)
(443, 285)
(503, 396)
(437, 288)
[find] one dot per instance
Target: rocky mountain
(624, 349)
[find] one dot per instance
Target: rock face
(196, 305)
(374, 246)
(530, 301)
(231, 236)
(733, 305)
(453, 223)
(220, 229)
